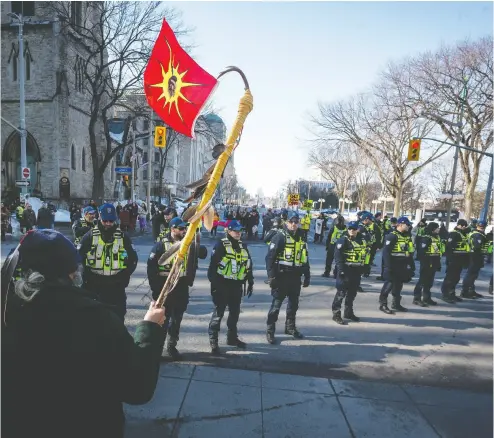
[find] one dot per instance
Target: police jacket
(429, 250)
(335, 232)
(367, 236)
(398, 251)
(478, 243)
(349, 253)
(276, 250)
(86, 365)
(157, 274)
(457, 247)
(80, 228)
(220, 263)
(126, 258)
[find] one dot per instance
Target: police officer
(389, 225)
(109, 260)
(287, 261)
(429, 252)
(479, 248)
(178, 299)
(399, 266)
(376, 230)
(457, 259)
(230, 268)
(168, 214)
(366, 230)
(277, 224)
(305, 226)
(350, 257)
(336, 231)
(82, 226)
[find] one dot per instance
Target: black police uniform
(110, 289)
(477, 241)
(330, 248)
(349, 258)
(429, 255)
(457, 259)
(367, 236)
(285, 282)
(399, 267)
(378, 234)
(177, 300)
(227, 291)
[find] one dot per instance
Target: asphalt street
(444, 346)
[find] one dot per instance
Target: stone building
(57, 102)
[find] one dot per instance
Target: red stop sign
(26, 172)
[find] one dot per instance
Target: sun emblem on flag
(173, 82)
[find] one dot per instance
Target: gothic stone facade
(57, 106)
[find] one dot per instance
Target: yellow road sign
(293, 199)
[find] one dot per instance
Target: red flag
(176, 87)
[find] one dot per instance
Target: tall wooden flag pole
(245, 107)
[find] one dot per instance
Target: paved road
(448, 345)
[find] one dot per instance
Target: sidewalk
(203, 401)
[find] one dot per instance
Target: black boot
(395, 305)
(419, 302)
(172, 351)
(291, 329)
(380, 278)
(449, 299)
(350, 315)
(384, 308)
(430, 302)
(325, 274)
(232, 340)
(337, 318)
(270, 334)
(360, 289)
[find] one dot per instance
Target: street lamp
(321, 201)
(22, 99)
(375, 202)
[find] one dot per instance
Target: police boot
(419, 302)
(291, 329)
(213, 342)
(270, 334)
(384, 308)
(380, 278)
(348, 314)
(359, 289)
(232, 340)
(395, 305)
(467, 295)
(172, 351)
(325, 274)
(450, 299)
(337, 318)
(430, 302)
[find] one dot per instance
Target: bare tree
(379, 126)
(435, 83)
(115, 40)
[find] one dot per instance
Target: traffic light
(160, 136)
(125, 180)
(414, 149)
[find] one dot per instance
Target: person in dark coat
(29, 217)
(68, 363)
(45, 217)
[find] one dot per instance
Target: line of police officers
(109, 260)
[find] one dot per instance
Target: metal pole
(150, 167)
(132, 162)
(485, 210)
(22, 103)
(455, 163)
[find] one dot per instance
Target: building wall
(56, 113)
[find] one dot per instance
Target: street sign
(124, 170)
(293, 199)
(26, 172)
(22, 183)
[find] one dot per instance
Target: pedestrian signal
(160, 136)
(414, 150)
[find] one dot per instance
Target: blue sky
(298, 53)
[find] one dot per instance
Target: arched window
(83, 159)
(72, 157)
(79, 74)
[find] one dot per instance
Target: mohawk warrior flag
(176, 87)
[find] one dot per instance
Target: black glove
(306, 282)
(273, 283)
(250, 289)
